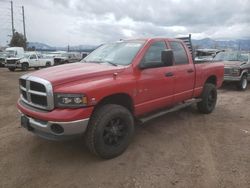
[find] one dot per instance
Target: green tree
(18, 40)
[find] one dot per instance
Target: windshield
(119, 53)
(11, 53)
(26, 55)
(231, 56)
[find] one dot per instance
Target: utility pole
(12, 18)
(24, 30)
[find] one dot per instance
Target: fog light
(57, 129)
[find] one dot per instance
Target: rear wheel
(242, 85)
(109, 131)
(25, 66)
(12, 69)
(209, 99)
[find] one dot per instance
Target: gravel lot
(181, 149)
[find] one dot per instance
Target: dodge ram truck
(118, 84)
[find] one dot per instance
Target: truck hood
(233, 63)
(14, 58)
(75, 71)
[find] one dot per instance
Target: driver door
(33, 61)
(154, 85)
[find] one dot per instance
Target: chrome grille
(36, 92)
(227, 71)
(11, 61)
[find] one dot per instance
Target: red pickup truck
(119, 83)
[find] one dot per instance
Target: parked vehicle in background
(116, 84)
(12, 52)
(237, 67)
(30, 60)
(202, 55)
(3, 56)
(15, 52)
(84, 54)
(54, 54)
(67, 57)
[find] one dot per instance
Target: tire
(209, 99)
(12, 69)
(110, 130)
(36, 68)
(48, 64)
(242, 85)
(25, 66)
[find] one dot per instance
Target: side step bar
(175, 108)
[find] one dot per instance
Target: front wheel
(110, 130)
(25, 66)
(12, 69)
(209, 99)
(242, 85)
(48, 64)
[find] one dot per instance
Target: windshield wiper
(111, 63)
(101, 61)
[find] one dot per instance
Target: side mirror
(167, 57)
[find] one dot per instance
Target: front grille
(22, 82)
(36, 92)
(227, 71)
(40, 100)
(11, 61)
(37, 87)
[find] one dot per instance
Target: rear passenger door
(184, 73)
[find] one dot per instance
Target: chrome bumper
(13, 65)
(232, 78)
(70, 129)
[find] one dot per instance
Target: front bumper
(232, 78)
(73, 121)
(13, 65)
(44, 129)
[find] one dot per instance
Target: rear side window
(153, 55)
(180, 55)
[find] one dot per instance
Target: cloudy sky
(74, 22)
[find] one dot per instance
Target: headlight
(17, 62)
(70, 100)
(236, 71)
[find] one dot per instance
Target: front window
(118, 53)
(231, 56)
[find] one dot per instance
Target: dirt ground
(181, 149)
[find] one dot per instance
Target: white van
(15, 52)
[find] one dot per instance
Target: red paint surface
(149, 89)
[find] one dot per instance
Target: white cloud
(62, 22)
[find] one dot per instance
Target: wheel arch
(25, 62)
(211, 80)
(244, 72)
(122, 99)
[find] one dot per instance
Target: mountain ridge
(242, 44)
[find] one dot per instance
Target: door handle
(169, 74)
(190, 70)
